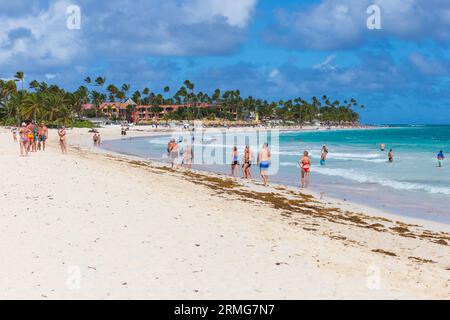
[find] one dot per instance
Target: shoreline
(196, 235)
(337, 201)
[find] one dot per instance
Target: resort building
(146, 114)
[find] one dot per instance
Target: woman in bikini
(23, 133)
(235, 163)
(62, 139)
(247, 163)
(305, 164)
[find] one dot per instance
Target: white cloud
(38, 37)
(327, 64)
(237, 12)
(332, 24)
(429, 66)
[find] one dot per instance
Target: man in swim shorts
(441, 158)
(264, 163)
(42, 136)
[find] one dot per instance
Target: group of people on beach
(180, 156)
(33, 137)
(183, 157)
(263, 162)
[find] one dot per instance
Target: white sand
(137, 233)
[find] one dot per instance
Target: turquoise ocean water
(356, 169)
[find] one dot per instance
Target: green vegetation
(56, 106)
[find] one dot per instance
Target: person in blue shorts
(264, 163)
(441, 158)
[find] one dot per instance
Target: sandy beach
(96, 225)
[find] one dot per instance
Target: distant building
(144, 114)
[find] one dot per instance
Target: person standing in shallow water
(441, 158)
(247, 163)
(264, 163)
(391, 156)
(323, 158)
(235, 163)
(305, 165)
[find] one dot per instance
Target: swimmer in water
(391, 156)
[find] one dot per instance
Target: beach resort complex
(225, 151)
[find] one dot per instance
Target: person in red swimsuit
(305, 164)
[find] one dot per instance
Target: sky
(267, 49)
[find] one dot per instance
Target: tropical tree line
(39, 101)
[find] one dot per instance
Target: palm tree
(126, 88)
(20, 77)
(34, 85)
(100, 81)
(32, 107)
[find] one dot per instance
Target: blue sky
(269, 49)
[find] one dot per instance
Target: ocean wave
(399, 185)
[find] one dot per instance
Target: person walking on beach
(441, 158)
(188, 156)
(14, 133)
(24, 141)
(96, 139)
(173, 149)
(323, 158)
(264, 163)
(247, 163)
(62, 139)
(391, 156)
(31, 143)
(42, 136)
(305, 165)
(235, 163)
